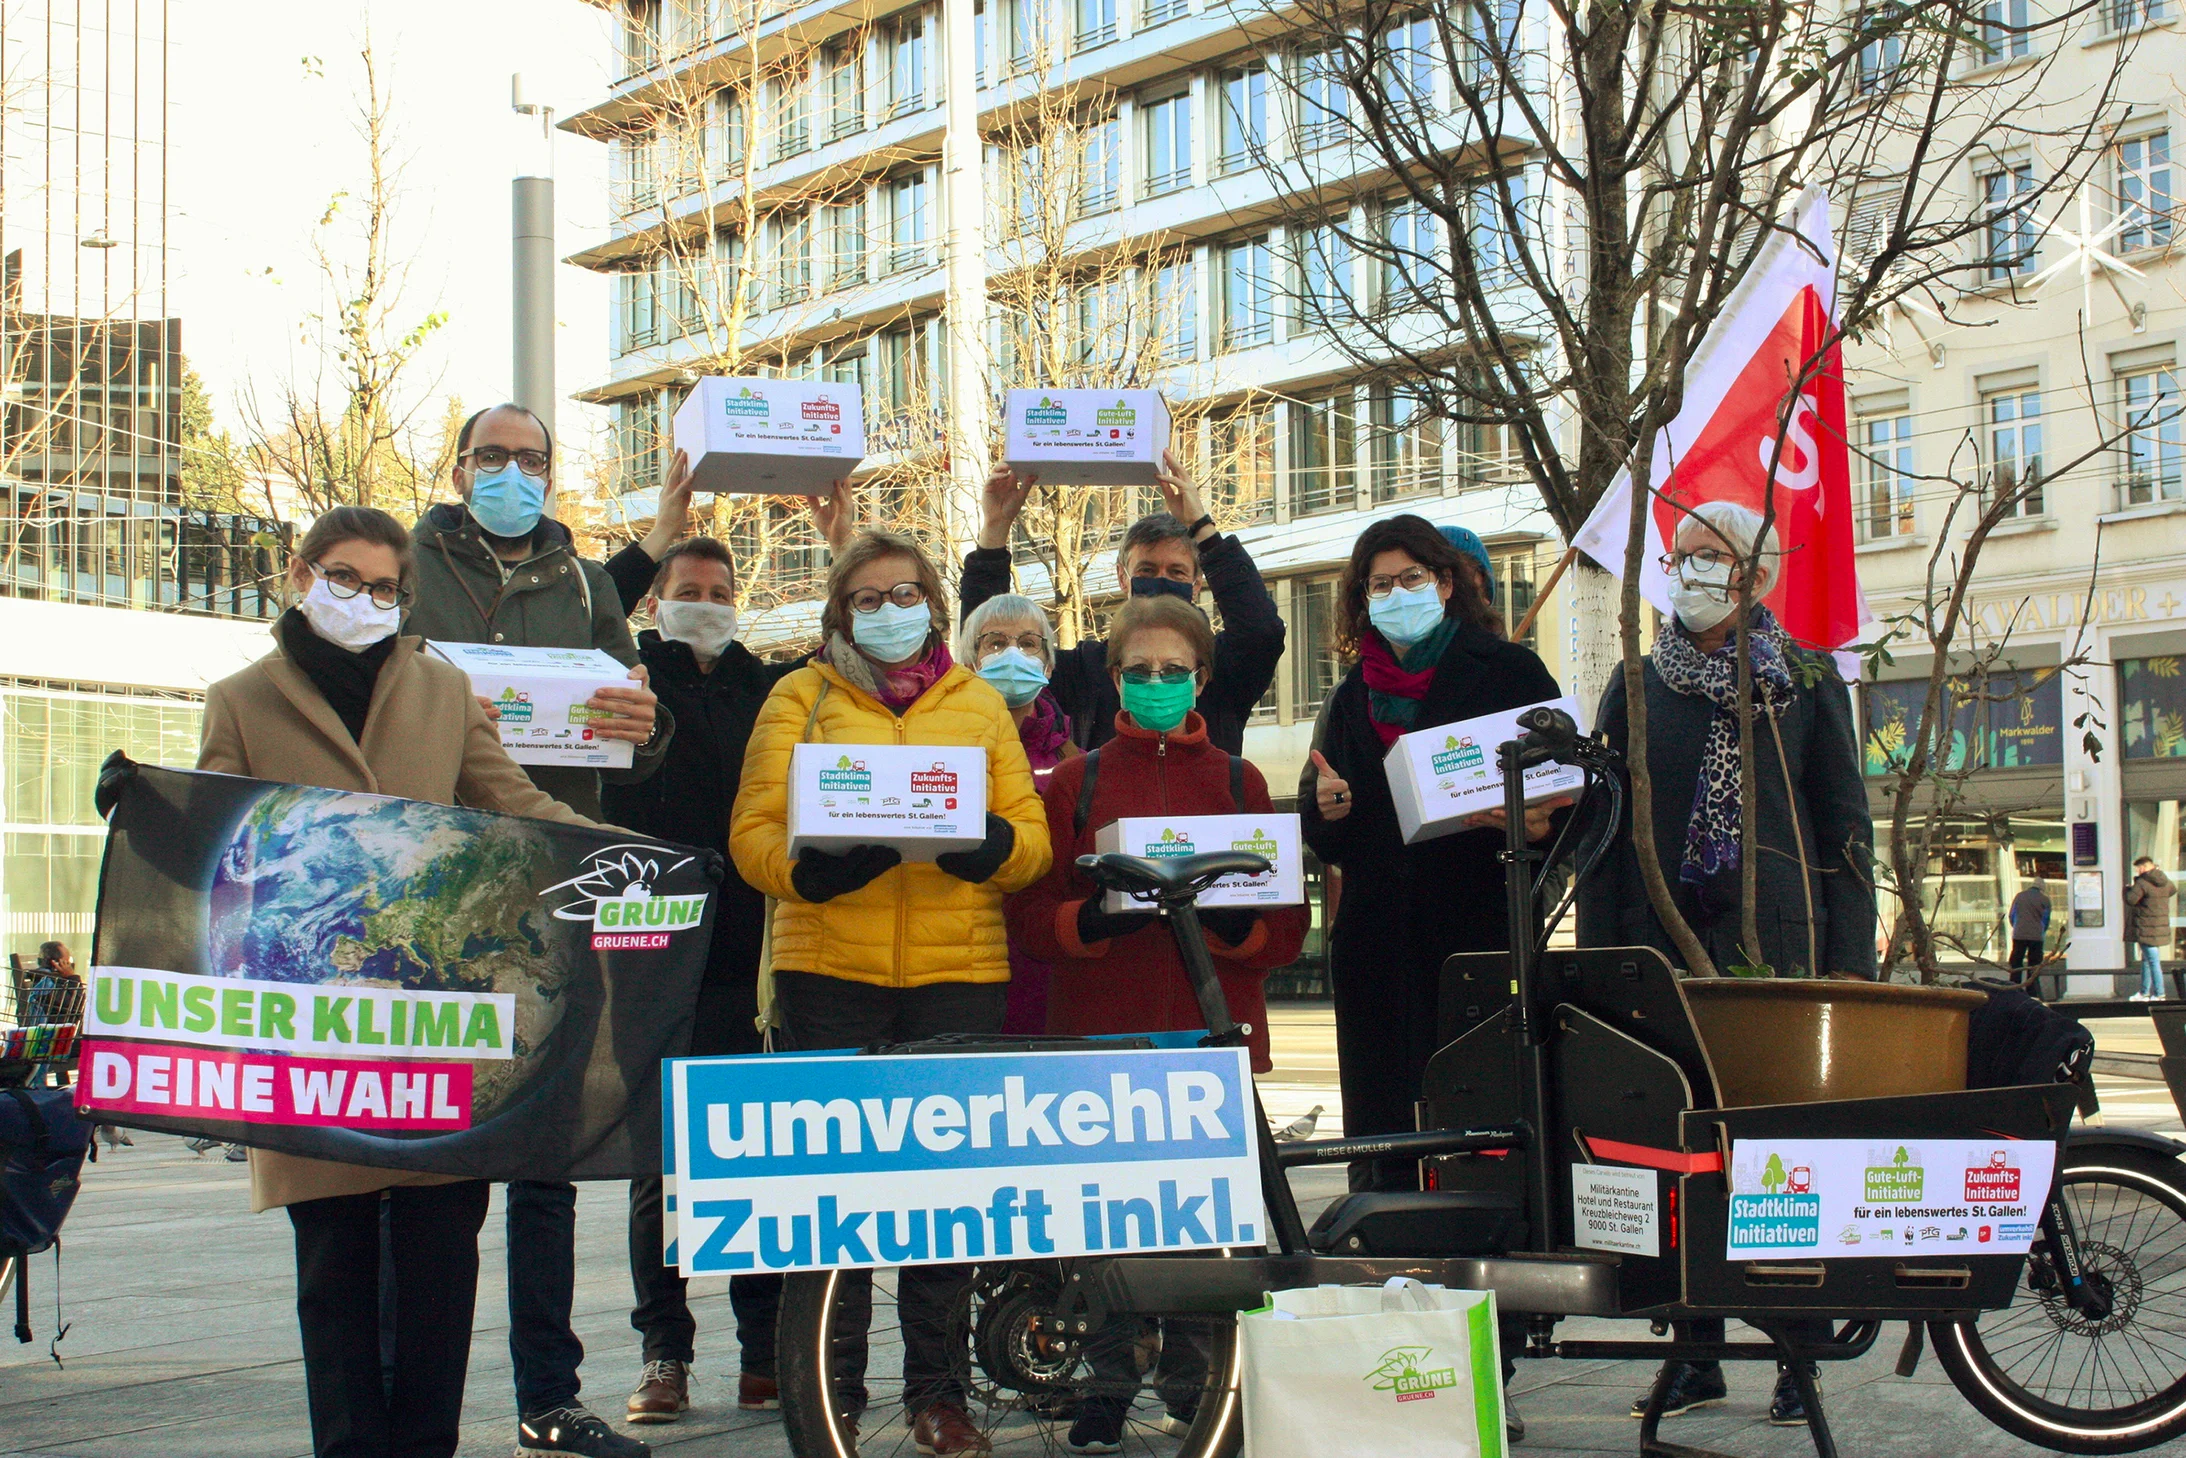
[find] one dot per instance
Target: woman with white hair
(1814, 890)
(1009, 642)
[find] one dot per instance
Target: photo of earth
(329, 887)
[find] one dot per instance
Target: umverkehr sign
(843, 1162)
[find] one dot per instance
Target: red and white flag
(1776, 332)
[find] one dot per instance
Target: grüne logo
(1997, 1182)
(940, 780)
(1457, 755)
(1405, 1373)
(849, 775)
(615, 893)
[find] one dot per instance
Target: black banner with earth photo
(387, 982)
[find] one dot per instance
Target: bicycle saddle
(1168, 880)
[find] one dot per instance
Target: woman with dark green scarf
(1425, 648)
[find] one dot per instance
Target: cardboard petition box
(762, 437)
(1087, 437)
(541, 693)
(923, 799)
(1441, 775)
(1159, 837)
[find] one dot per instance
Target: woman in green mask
(1119, 972)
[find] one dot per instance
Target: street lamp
(532, 271)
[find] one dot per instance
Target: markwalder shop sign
(2067, 608)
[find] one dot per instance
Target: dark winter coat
(1820, 761)
(2030, 913)
(2148, 909)
(1245, 651)
(551, 599)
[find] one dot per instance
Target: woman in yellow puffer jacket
(867, 948)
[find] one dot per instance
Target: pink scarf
(1385, 678)
(900, 688)
(1044, 733)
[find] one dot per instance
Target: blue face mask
(507, 503)
(1406, 615)
(1152, 586)
(891, 634)
(1016, 675)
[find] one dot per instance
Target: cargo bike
(1562, 1063)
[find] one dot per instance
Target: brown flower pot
(1805, 1040)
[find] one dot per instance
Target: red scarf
(1383, 676)
(900, 688)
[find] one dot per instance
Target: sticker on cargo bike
(1616, 1208)
(1866, 1198)
(831, 1162)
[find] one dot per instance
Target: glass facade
(1976, 865)
(2156, 828)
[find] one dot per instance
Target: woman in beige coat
(344, 703)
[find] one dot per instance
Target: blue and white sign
(805, 1163)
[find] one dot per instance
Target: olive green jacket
(551, 599)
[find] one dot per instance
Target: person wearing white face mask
(346, 704)
(1815, 902)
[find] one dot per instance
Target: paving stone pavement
(182, 1337)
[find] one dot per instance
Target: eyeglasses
(346, 584)
(493, 458)
(1674, 562)
(903, 594)
(1033, 644)
(1168, 673)
(1411, 579)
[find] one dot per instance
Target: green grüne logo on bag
(1405, 1371)
(1894, 1179)
(1173, 843)
(1116, 414)
(847, 774)
(1047, 412)
(746, 402)
(1457, 754)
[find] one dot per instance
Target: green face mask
(1159, 707)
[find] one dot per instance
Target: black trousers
(1386, 1022)
(831, 1012)
(2026, 953)
(1807, 1330)
(338, 1306)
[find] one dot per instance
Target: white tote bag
(1366, 1372)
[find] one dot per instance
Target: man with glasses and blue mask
(497, 568)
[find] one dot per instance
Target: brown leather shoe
(664, 1391)
(943, 1429)
(757, 1394)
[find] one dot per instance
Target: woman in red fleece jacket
(1120, 972)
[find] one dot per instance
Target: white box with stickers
(1160, 837)
(1087, 437)
(924, 799)
(541, 694)
(1440, 776)
(760, 437)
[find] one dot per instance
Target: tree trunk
(1592, 656)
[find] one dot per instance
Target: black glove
(978, 865)
(117, 770)
(1096, 925)
(1231, 923)
(819, 876)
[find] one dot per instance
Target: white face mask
(709, 627)
(1702, 594)
(355, 623)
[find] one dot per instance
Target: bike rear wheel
(1024, 1389)
(2045, 1372)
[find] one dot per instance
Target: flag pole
(1518, 634)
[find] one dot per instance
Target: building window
(1324, 101)
(1175, 306)
(1407, 443)
(1882, 49)
(2004, 35)
(1242, 472)
(2149, 409)
(1026, 24)
(2156, 829)
(846, 90)
(2153, 693)
(1486, 452)
(1323, 260)
(1323, 451)
(1411, 252)
(725, 132)
(1314, 665)
(1168, 143)
(1157, 12)
(2015, 448)
(2007, 199)
(793, 258)
(1244, 118)
(1408, 61)
(2144, 191)
(1493, 58)
(640, 36)
(1499, 250)
(907, 232)
(909, 42)
(1103, 175)
(793, 114)
(1096, 23)
(846, 243)
(1248, 295)
(1886, 468)
(2122, 15)
(1514, 594)
(640, 309)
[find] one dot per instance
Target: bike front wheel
(2046, 1372)
(855, 1362)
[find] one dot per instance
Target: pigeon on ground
(1301, 1128)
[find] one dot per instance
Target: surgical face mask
(1702, 595)
(708, 627)
(1016, 675)
(1157, 706)
(355, 623)
(1150, 586)
(891, 634)
(1406, 615)
(507, 503)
